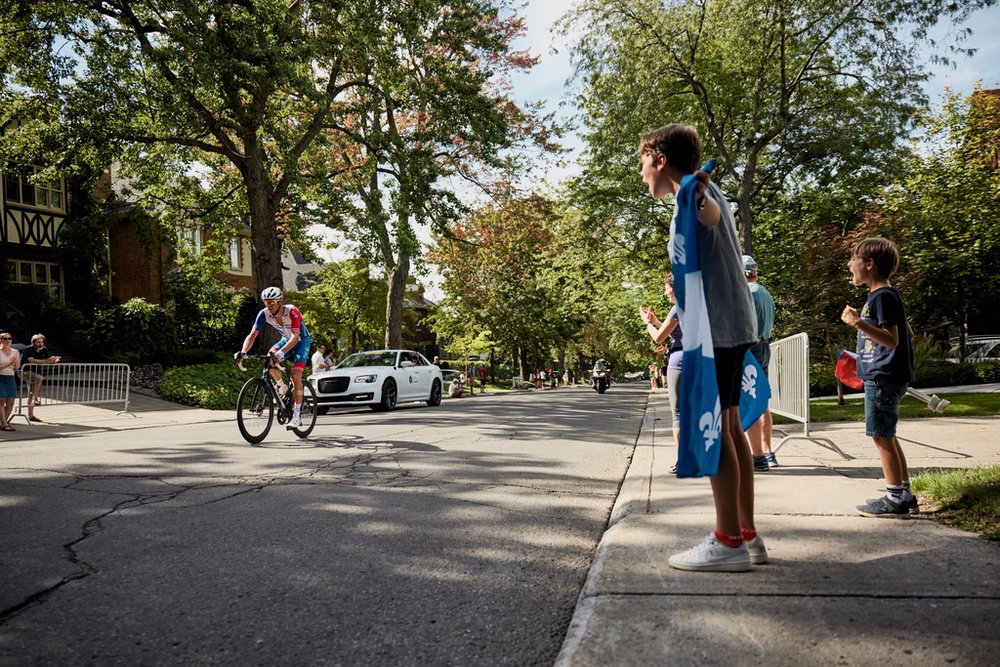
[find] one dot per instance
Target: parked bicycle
(260, 403)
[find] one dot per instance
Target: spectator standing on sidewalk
(660, 332)
(36, 354)
(885, 363)
(10, 361)
(667, 155)
(759, 434)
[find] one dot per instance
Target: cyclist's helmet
(272, 293)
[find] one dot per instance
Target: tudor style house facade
(31, 217)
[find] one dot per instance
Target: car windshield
(362, 359)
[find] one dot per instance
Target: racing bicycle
(259, 403)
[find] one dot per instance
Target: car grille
(334, 385)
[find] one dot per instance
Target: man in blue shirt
(759, 434)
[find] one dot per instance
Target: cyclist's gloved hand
(279, 356)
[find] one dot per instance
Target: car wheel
(388, 396)
(322, 410)
(435, 397)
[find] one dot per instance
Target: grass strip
(968, 499)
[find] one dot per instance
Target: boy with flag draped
(719, 326)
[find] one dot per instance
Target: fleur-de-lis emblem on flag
(677, 253)
(711, 425)
(750, 380)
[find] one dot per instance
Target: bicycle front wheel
(308, 412)
(255, 410)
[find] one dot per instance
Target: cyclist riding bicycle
(294, 343)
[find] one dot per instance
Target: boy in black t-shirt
(885, 363)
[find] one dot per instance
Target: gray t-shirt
(730, 306)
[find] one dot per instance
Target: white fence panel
(788, 374)
(74, 383)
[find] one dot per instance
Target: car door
(406, 379)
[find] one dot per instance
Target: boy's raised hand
(850, 316)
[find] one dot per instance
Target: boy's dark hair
(883, 252)
(680, 144)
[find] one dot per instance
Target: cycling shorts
(298, 355)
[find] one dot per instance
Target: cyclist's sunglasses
(270, 302)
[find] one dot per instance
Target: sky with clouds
(547, 81)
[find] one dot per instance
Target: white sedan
(379, 379)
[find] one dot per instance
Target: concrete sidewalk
(68, 420)
(839, 588)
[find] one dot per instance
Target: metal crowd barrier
(788, 374)
(74, 383)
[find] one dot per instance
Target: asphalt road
(457, 535)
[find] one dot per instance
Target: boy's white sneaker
(712, 556)
(757, 550)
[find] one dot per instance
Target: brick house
(33, 215)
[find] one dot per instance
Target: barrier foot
(826, 443)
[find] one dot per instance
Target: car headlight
(366, 378)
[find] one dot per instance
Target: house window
(189, 240)
(235, 253)
(44, 274)
(20, 190)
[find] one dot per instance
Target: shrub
(822, 381)
(212, 386)
(189, 357)
(147, 376)
(988, 371)
(131, 333)
(944, 374)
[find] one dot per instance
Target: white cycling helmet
(272, 294)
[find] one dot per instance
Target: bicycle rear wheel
(308, 412)
(254, 410)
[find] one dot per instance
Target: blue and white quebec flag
(701, 415)
(755, 391)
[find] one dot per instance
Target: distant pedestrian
(885, 363)
(319, 361)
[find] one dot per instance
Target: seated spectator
(457, 386)
(10, 361)
(36, 354)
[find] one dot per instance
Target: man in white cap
(759, 434)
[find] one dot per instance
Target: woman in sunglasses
(10, 361)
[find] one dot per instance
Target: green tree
(435, 109)
(491, 265)
(781, 92)
(344, 303)
(244, 85)
(948, 203)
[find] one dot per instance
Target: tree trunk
(396, 279)
(263, 236)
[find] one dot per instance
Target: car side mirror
(405, 364)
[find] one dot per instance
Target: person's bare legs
(755, 435)
(768, 424)
(34, 394)
(732, 487)
(893, 462)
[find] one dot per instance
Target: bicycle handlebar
(269, 356)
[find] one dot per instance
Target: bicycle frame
(284, 405)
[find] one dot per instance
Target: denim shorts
(761, 350)
(882, 407)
